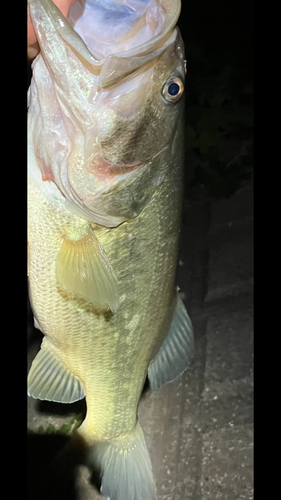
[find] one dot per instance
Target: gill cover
(73, 114)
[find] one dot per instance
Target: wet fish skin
(143, 253)
(91, 348)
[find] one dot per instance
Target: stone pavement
(198, 429)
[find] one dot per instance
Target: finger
(32, 45)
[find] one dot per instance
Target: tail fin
(125, 467)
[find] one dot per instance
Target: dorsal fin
(176, 352)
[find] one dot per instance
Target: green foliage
(68, 428)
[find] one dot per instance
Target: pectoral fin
(49, 380)
(176, 352)
(84, 270)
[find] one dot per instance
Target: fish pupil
(174, 88)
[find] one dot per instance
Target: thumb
(32, 44)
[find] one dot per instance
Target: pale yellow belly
(109, 353)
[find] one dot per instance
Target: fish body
(104, 210)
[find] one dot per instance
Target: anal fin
(49, 380)
(84, 270)
(176, 352)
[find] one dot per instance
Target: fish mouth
(151, 27)
(99, 149)
(130, 50)
(116, 26)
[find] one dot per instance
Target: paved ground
(199, 428)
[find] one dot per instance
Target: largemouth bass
(105, 129)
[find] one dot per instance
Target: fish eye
(172, 89)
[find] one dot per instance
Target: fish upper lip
(117, 65)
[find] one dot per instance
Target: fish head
(106, 102)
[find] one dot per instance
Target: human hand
(32, 44)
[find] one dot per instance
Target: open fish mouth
(100, 129)
(110, 26)
(114, 37)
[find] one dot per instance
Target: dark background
(218, 39)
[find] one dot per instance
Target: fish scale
(105, 189)
(68, 330)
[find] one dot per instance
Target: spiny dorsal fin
(84, 270)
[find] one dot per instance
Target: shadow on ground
(54, 462)
(54, 459)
